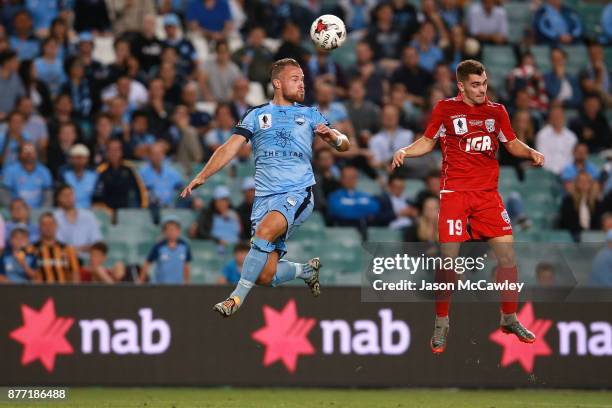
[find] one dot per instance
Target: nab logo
(478, 144)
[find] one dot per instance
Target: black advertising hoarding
(152, 335)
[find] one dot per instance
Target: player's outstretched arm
(333, 137)
(419, 147)
(519, 149)
(223, 155)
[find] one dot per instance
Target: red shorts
(484, 211)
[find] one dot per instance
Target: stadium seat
(413, 187)
(185, 216)
(384, 234)
(577, 56)
(520, 17)
(590, 14)
(135, 217)
(555, 236)
(541, 53)
(592, 236)
(499, 60)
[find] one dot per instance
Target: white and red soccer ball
(328, 32)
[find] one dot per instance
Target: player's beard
(295, 97)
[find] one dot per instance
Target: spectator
(333, 111)
(391, 138)
(157, 109)
(10, 83)
(363, 114)
(95, 71)
(591, 126)
(432, 189)
(430, 13)
(415, 78)
(33, 88)
(171, 256)
(172, 83)
(545, 275)
(212, 18)
(16, 264)
(59, 32)
(425, 228)
(239, 105)
(3, 234)
(79, 177)
(189, 150)
(555, 141)
(23, 40)
(77, 227)
(20, 214)
(29, 179)
(426, 46)
(254, 59)
(127, 17)
(524, 130)
(291, 47)
(580, 164)
(34, 126)
(527, 76)
(188, 57)
(522, 103)
(218, 222)
(222, 131)
(460, 47)
(140, 140)
(230, 275)
(452, 13)
(59, 151)
(395, 210)
(350, 207)
(322, 68)
(163, 181)
(49, 66)
(357, 15)
(555, 23)
(601, 270)
(245, 208)
(580, 207)
(91, 15)
(11, 137)
(199, 119)
(373, 77)
(384, 37)
(128, 89)
(327, 177)
(146, 47)
(488, 22)
(221, 73)
(96, 270)
(444, 80)
(79, 88)
(103, 135)
(119, 185)
(560, 86)
(606, 25)
(56, 261)
(596, 77)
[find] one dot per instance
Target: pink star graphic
(523, 353)
(42, 335)
(285, 336)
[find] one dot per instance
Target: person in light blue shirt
(171, 257)
(16, 265)
(79, 177)
(555, 23)
(212, 17)
(161, 179)
(43, 12)
(601, 271)
(11, 136)
(334, 112)
(580, 163)
(230, 274)
(429, 53)
(23, 40)
(282, 133)
(29, 179)
(20, 214)
(606, 25)
(49, 66)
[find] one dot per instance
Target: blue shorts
(296, 207)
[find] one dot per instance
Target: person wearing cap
(171, 257)
(78, 176)
(16, 264)
(246, 207)
(163, 181)
(601, 271)
(218, 222)
(184, 48)
(96, 72)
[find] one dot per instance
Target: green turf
(334, 398)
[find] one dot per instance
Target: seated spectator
(545, 275)
(35, 126)
(555, 141)
(199, 119)
(211, 18)
(49, 66)
(103, 133)
(119, 185)
(321, 67)
(561, 87)
(28, 179)
(357, 15)
(451, 13)
(163, 181)
(350, 207)
(222, 130)
(78, 176)
(59, 149)
(415, 78)
(77, 227)
(11, 137)
(239, 104)
(185, 141)
(245, 208)
(425, 227)
(140, 140)
(146, 47)
(62, 113)
(426, 46)
(119, 66)
(172, 83)
(580, 207)
(291, 46)
(130, 90)
(188, 57)
(221, 73)
(158, 110)
(432, 188)
(390, 139)
(333, 111)
(373, 77)
(383, 36)
(254, 59)
(527, 76)
(363, 114)
(171, 257)
(601, 270)
(524, 130)
(33, 88)
(580, 164)
(84, 100)
(596, 77)
(606, 25)
(56, 261)
(218, 222)
(395, 210)
(96, 269)
(91, 15)
(16, 265)
(23, 40)
(591, 126)
(460, 47)
(230, 274)
(20, 214)
(555, 23)
(126, 17)
(444, 80)
(119, 116)
(488, 22)
(327, 176)
(10, 83)
(522, 103)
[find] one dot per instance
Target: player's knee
(262, 244)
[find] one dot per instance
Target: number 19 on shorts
(455, 227)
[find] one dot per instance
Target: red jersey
(469, 139)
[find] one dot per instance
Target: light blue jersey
(282, 138)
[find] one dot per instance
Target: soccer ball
(328, 32)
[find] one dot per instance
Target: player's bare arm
(220, 158)
(418, 148)
(333, 137)
(519, 149)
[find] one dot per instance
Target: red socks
(509, 298)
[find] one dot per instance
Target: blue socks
(252, 267)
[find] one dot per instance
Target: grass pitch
(328, 398)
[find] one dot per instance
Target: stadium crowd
(82, 136)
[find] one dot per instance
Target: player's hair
(467, 68)
(279, 65)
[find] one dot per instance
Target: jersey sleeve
(318, 118)
(506, 134)
(246, 126)
(153, 254)
(435, 127)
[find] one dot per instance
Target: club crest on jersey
(505, 217)
(265, 121)
(299, 119)
(460, 125)
(490, 125)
